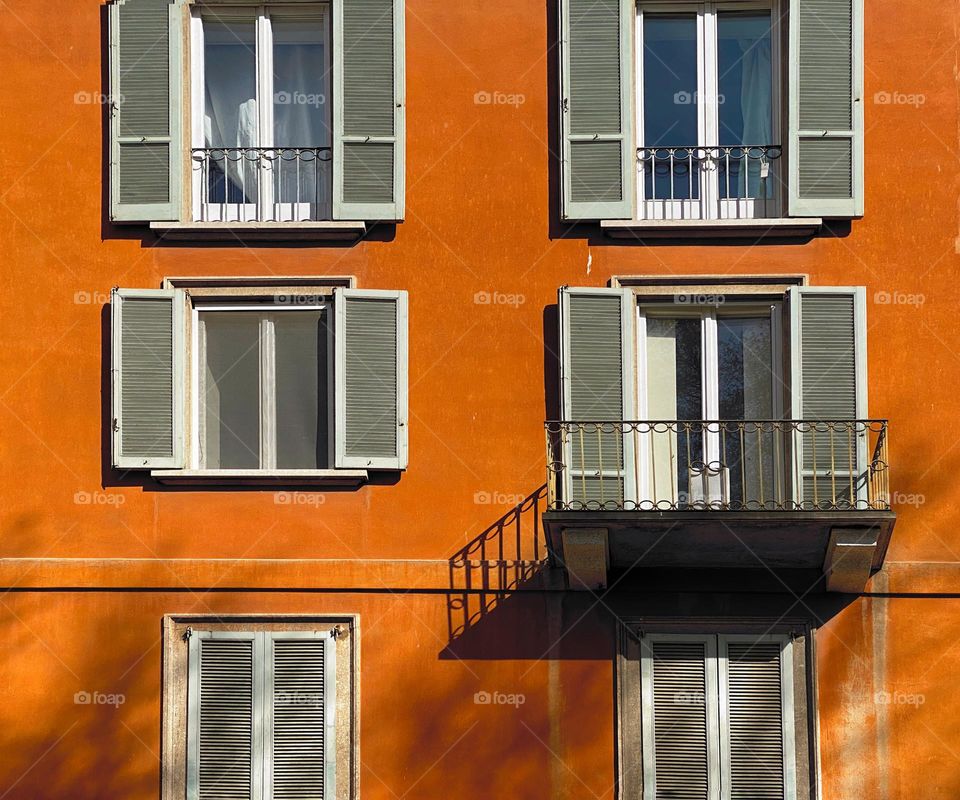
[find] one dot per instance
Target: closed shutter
(370, 368)
(147, 378)
(145, 88)
(597, 390)
(299, 741)
(599, 164)
(829, 383)
(756, 718)
(679, 719)
(222, 718)
(826, 108)
(369, 108)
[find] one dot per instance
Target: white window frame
(268, 454)
(262, 16)
(709, 205)
(709, 372)
(717, 702)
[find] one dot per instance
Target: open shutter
(597, 386)
(828, 335)
(756, 718)
(147, 378)
(599, 164)
(223, 717)
(368, 121)
(679, 717)
(299, 740)
(370, 368)
(826, 108)
(145, 89)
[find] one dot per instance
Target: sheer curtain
(756, 103)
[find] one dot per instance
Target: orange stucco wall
(84, 585)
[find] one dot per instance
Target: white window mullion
(268, 394)
(265, 112)
(709, 113)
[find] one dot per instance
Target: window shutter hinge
(116, 424)
(336, 632)
(187, 634)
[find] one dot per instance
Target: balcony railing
(709, 182)
(262, 184)
(721, 465)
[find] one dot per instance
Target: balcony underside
(772, 540)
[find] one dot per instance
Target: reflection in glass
(301, 363)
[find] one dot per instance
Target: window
(718, 716)
(752, 401)
(214, 383)
(264, 119)
(259, 708)
(262, 114)
(708, 111)
(715, 113)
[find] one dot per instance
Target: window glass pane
(230, 109)
(230, 390)
(301, 381)
(670, 103)
(745, 81)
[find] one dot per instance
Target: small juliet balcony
(780, 494)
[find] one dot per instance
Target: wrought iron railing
(709, 182)
(723, 465)
(262, 184)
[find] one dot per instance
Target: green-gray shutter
(222, 717)
(370, 368)
(597, 381)
(145, 88)
(369, 106)
(826, 108)
(299, 739)
(147, 378)
(599, 163)
(829, 383)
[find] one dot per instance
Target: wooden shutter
(299, 743)
(145, 89)
(679, 717)
(147, 378)
(369, 107)
(223, 717)
(828, 333)
(756, 718)
(370, 369)
(826, 108)
(597, 385)
(599, 163)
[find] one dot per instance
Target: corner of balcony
(794, 496)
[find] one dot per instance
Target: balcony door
(708, 111)
(261, 114)
(710, 383)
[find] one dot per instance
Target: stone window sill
(780, 227)
(261, 477)
(260, 231)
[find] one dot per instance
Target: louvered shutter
(597, 386)
(370, 369)
(679, 718)
(147, 378)
(599, 164)
(828, 333)
(826, 108)
(223, 717)
(299, 739)
(369, 108)
(756, 725)
(145, 89)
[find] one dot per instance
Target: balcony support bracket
(586, 556)
(849, 559)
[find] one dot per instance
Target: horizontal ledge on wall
(782, 227)
(259, 231)
(261, 477)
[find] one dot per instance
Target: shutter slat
(226, 719)
(681, 748)
(755, 714)
(299, 719)
(597, 115)
(147, 381)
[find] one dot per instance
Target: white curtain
(756, 104)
